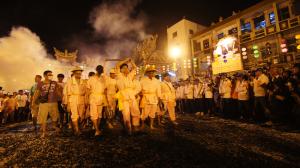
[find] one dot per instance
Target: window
(206, 44)
(259, 22)
(283, 13)
(174, 34)
(221, 35)
(191, 31)
(272, 18)
(232, 31)
(246, 27)
(197, 46)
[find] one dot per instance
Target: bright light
(175, 52)
(297, 36)
(284, 50)
(172, 74)
(245, 57)
(244, 49)
(255, 47)
(283, 45)
(244, 53)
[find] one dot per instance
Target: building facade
(265, 33)
(179, 45)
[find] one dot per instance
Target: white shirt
(111, 86)
(242, 89)
(198, 91)
(96, 86)
(21, 100)
(126, 86)
(75, 91)
(259, 91)
(225, 88)
(168, 92)
(151, 90)
(180, 92)
(207, 90)
(189, 91)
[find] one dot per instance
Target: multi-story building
(179, 45)
(265, 33)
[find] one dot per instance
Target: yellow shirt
(259, 91)
(126, 86)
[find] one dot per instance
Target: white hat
(77, 68)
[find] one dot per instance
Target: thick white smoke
(117, 29)
(116, 20)
(22, 56)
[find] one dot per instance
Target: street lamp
(175, 52)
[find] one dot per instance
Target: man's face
(60, 79)
(274, 71)
(125, 70)
(296, 70)
(49, 76)
(37, 79)
(167, 78)
(150, 74)
(258, 73)
(21, 92)
(112, 75)
(77, 74)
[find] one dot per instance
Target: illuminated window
(206, 44)
(232, 31)
(283, 13)
(272, 18)
(174, 34)
(246, 27)
(259, 22)
(221, 35)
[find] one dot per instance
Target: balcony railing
(283, 25)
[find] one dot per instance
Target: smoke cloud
(117, 29)
(22, 56)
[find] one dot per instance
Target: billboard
(227, 57)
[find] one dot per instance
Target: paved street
(208, 142)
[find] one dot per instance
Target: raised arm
(133, 65)
(117, 68)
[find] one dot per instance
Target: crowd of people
(78, 103)
(265, 95)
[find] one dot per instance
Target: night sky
(55, 21)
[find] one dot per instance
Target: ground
(205, 142)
